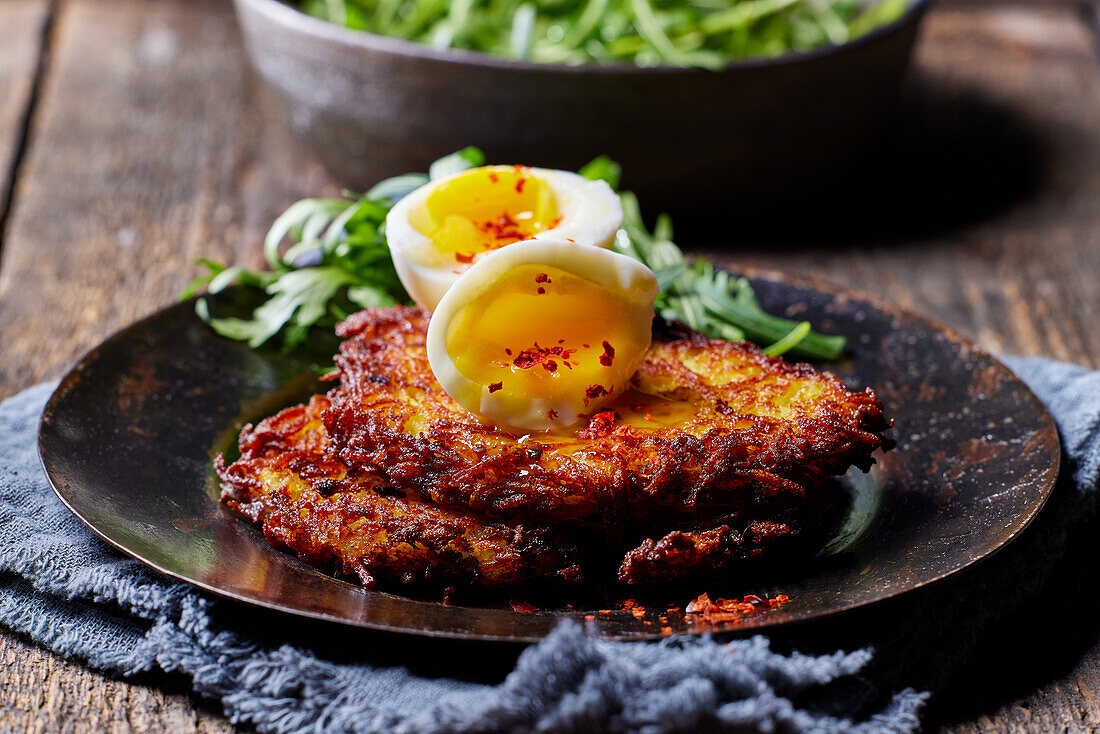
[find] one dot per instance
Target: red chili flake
(519, 185)
(606, 611)
(496, 386)
(568, 239)
(648, 417)
(552, 414)
(638, 612)
(561, 341)
(508, 351)
(600, 425)
(731, 610)
(666, 632)
(590, 617)
(540, 355)
(541, 291)
(586, 346)
(464, 257)
(522, 606)
(608, 356)
(700, 603)
(594, 391)
(528, 358)
(542, 278)
(504, 230)
(493, 177)
(734, 606)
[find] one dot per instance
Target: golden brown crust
(758, 432)
(330, 514)
(718, 453)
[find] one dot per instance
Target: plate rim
(1047, 427)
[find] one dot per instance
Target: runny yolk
(484, 209)
(543, 331)
(644, 411)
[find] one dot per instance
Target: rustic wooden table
(133, 139)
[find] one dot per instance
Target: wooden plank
(983, 215)
(152, 146)
(40, 692)
(186, 161)
(23, 22)
(1070, 703)
(162, 160)
(1003, 127)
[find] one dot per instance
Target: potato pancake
(330, 514)
(714, 455)
(709, 427)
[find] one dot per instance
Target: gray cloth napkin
(64, 588)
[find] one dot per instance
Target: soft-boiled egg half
(438, 231)
(537, 334)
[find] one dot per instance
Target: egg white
(629, 280)
(591, 214)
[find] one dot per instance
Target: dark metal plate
(128, 437)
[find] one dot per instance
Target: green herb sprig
(693, 291)
(338, 262)
(703, 33)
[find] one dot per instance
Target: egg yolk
(543, 331)
(484, 209)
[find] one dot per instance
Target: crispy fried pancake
(330, 513)
(710, 428)
(688, 554)
(717, 454)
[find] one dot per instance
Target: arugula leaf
(465, 159)
(299, 298)
(704, 298)
(397, 188)
(703, 33)
(339, 262)
(523, 26)
(602, 168)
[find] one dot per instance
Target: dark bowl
(370, 107)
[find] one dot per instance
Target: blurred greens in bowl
(703, 33)
(711, 145)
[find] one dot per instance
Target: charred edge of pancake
(719, 547)
(349, 519)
